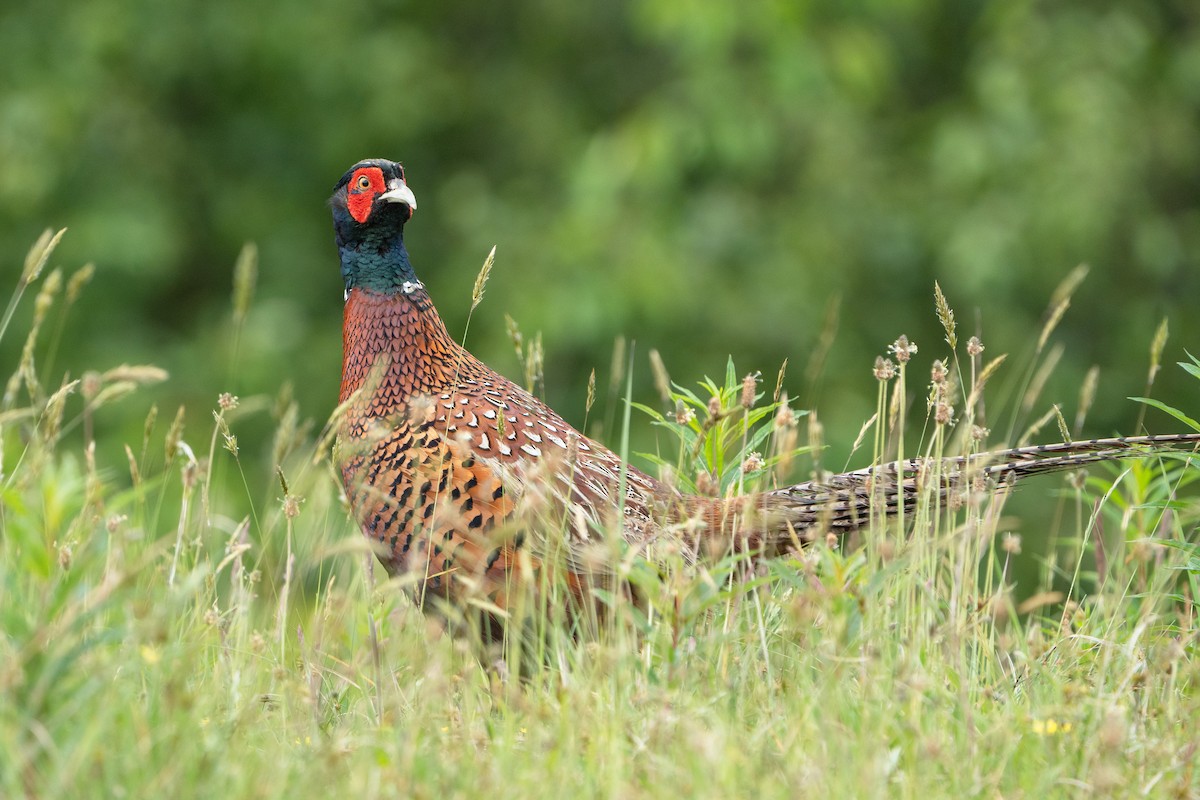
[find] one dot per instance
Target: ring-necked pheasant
(438, 452)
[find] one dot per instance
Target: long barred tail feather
(843, 503)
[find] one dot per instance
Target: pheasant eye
(364, 182)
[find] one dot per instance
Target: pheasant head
(370, 204)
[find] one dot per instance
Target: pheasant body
(443, 460)
(437, 450)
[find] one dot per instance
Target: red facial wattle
(361, 194)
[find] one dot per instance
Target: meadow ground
(167, 631)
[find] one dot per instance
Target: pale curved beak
(398, 192)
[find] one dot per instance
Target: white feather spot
(489, 414)
(484, 444)
(505, 450)
(533, 437)
(530, 450)
(596, 466)
(581, 523)
(556, 440)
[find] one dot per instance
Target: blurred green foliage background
(704, 178)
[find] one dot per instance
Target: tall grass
(164, 633)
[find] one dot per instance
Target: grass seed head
(90, 385)
(662, 381)
(291, 506)
(174, 434)
(80, 278)
(903, 349)
(683, 413)
(1156, 350)
(39, 254)
(245, 277)
(482, 278)
(945, 316)
(749, 384)
(784, 417)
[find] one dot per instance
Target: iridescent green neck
(378, 261)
